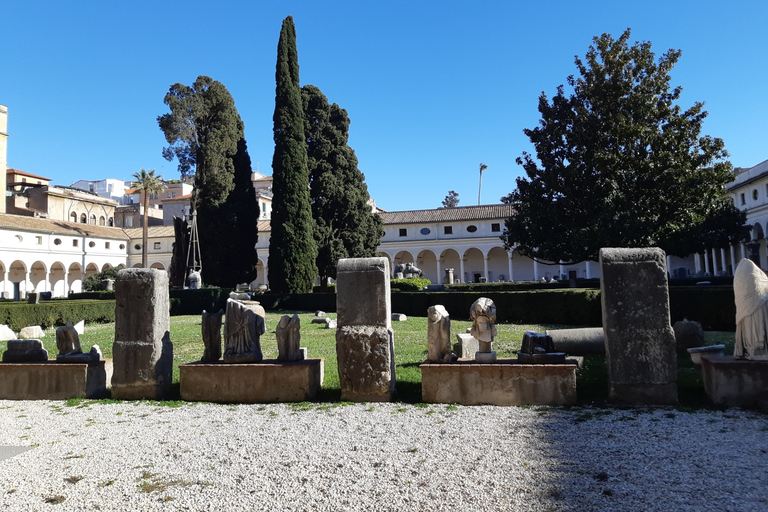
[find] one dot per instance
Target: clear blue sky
(433, 88)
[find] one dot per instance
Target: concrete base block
(268, 381)
(734, 382)
(54, 381)
(143, 370)
(503, 383)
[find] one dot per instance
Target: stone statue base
(248, 357)
(485, 357)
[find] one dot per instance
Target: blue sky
(432, 88)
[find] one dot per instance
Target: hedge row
(47, 314)
(193, 302)
(713, 306)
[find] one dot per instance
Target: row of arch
(17, 279)
(85, 219)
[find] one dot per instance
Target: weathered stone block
(288, 334)
(6, 333)
(363, 293)
(366, 359)
(639, 342)
(268, 381)
(734, 382)
(211, 330)
(466, 346)
(688, 334)
(54, 381)
(31, 332)
(438, 335)
(502, 383)
(142, 352)
(26, 350)
(581, 342)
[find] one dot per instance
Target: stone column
(706, 263)
(439, 275)
(733, 258)
(142, 352)
(588, 269)
(535, 270)
(714, 261)
(461, 270)
(561, 270)
(364, 339)
(47, 285)
(639, 341)
(743, 250)
(723, 265)
(27, 283)
(6, 277)
(485, 269)
(511, 269)
(697, 263)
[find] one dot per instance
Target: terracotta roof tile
(153, 232)
(8, 221)
(460, 213)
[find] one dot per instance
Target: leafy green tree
(345, 225)
(94, 283)
(149, 184)
(292, 249)
(205, 132)
(726, 225)
(451, 200)
(619, 163)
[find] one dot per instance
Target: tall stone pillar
(365, 346)
(639, 341)
(142, 352)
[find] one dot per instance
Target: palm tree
(149, 184)
(480, 188)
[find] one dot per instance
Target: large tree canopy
(292, 249)
(206, 135)
(345, 226)
(618, 162)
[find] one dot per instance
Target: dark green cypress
(292, 249)
(345, 226)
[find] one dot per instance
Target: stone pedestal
(466, 346)
(142, 352)
(54, 381)
(639, 342)
(733, 382)
(364, 338)
(504, 383)
(268, 381)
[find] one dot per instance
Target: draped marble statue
(750, 288)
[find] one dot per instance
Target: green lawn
(410, 351)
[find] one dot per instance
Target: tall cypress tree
(345, 226)
(206, 134)
(292, 249)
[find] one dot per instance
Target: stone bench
(51, 380)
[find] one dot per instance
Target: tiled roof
(8, 221)
(460, 213)
(153, 232)
(28, 174)
(264, 226)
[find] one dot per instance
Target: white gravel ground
(140, 456)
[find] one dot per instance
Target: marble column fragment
(438, 335)
(288, 333)
(211, 327)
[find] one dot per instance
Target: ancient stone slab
(320, 314)
(142, 352)
(269, 381)
(211, 330)
(732, 382)
(288, 334)
(503, 383)
(366, 363)
(318, 320)
(54, 381)
(6, 333)
(438, 335)
(67, 340)
(466, 346)
(750, 288)
(399, 317)
(27, 350)
(31, 332)
(688, 334)
(330, 323)
(639, 342)
(242, 332)
(585, 341)
(363, 293)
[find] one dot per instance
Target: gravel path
(140, 456)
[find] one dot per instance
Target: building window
(403, 231)
(754, 194)
(93, 219)
(743, 200)
(91, 244)
(137, 247)
(83, 219)
(425, 231)
(264, 208)
(111, 222)
(102, 221)
(122, 247)
(129, 222)
(106, 245)
(495, 227)
(57, 241)
(91, 187)
(448, 230)
(39, 240)
(472, 228)
(74, 243)
(156, 246)
(73, 217)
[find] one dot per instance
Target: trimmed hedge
(413, 284)
(522, 285)
(193, 302)
(713, 306)
(46, 314)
